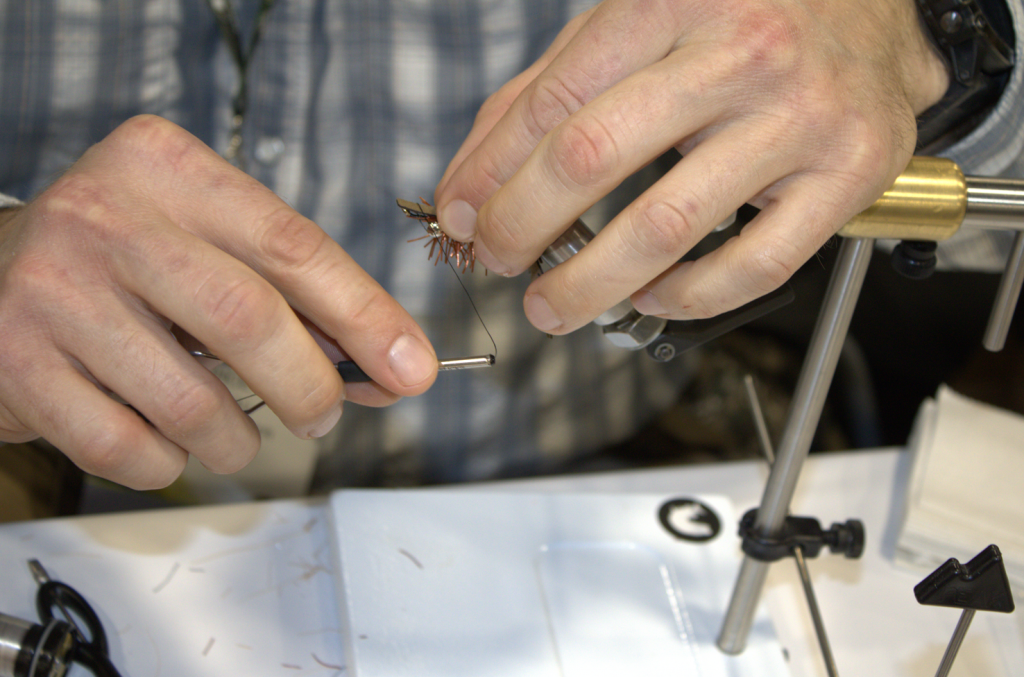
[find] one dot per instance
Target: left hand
(803, 108)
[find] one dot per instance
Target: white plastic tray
(452, 583)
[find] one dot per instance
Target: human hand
(803, 108)
(149, 229)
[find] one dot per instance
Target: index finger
(496, 105)
(243, 218)
(614, 40)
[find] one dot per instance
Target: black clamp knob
(804, 533)
(915, 259)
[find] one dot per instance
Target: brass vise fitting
(928, 201)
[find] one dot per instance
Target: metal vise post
(930, 201)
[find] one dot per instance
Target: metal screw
(951, 21)
(664, 352)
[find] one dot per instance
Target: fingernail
(324, 426)
(484, 256)
(410, 360)
(458, 219)
(648, 304)
(539, 313)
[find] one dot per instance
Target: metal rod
(763, 437)
(954, 643)
(812, 604)
(994, 203)
(752, 572)
(815, 379)
(739, 617)
(1006, 298)
(465, 363)
(798, 553)
(808, 400)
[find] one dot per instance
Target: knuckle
(31, 286)
(239, 306)
(666, 227)
(768, 39)
(477, 179)
(771, 267)
(79, 200)
(549, 102)
(365, 315)
(82, 207)
(105, 450)
(38, 287)
(289, 239)
(503, 235)
(145, 131)
(584, 151)
(868, 153)
(143, 126)
(152, 140)
(750, 275)
(865, 166)
(496, 103)
(488, 177)
(189, 410)
(322, 398)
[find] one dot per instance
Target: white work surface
(538, 584)
(250, 589)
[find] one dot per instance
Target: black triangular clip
(981, 584)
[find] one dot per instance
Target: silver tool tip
(38, 572)
(466, 363)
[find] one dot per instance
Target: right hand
(151, 229)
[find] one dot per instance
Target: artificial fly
(444, 248)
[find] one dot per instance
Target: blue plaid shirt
(353, 103)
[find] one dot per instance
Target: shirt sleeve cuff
(8, 201)
(998, 141)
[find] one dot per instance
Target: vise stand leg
(808, 400)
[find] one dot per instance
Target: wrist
(926, 73)
(920, 67)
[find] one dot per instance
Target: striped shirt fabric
(352, 103)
